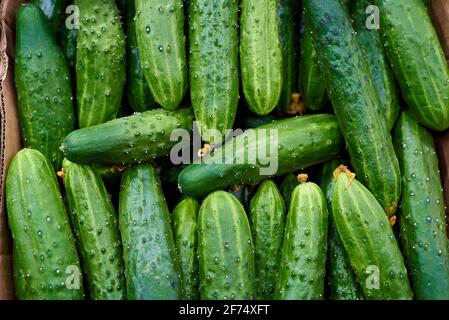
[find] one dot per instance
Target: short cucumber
(422, 218)
(162, 46)
(185, 231)
(267, 217)
(260, 54)
(54, 10)
(368, 239)
(95, 226)
(46, 264)
(225, 249)
(152, 268)
(100, 62)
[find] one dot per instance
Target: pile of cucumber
(354, 209)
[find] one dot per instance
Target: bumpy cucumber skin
(287, 186)
(355, 101)
(289, 14)
(95, 226)
(267, 217)
(302, 142)
(312, 82)
(162, 47)
(260, 54)
(137, 91)
(368, 239)
(214, 65)
(151, 263)
(342, 281)
(225, 249)
(302, 267)
(185, 232)
(418, 61)
(54, 11)
(43, 85)
(100, 62)
(134, 139)
(422, 218)
(43, 244)
(380, 70)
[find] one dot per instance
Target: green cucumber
(288, 12)
(44, 252)
(301, 142)
(251, 121)
(68, 46)
(137, 91)
(214, 66)
(267, 216)
(185, 216)
(355, 101)
(303, 264)
(289, 183)
(417, 61)
(422, 219)
(151, 263)
(100, 62)
(54, 11)
(162, 47)
(260, 54)
(342, 281)
(137, 138)
(225, 249)
(95, 226)
(379, 67)
(368, 239)
(43, 85)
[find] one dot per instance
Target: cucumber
(100, 62)
(68, 46)
(95, 226)
(252, 121)
(54, 10)
(417, 61)
(368, 240)
(214, 66)
(267, 216)
(287, 186)
(260, 54)
(185, 216)
(303, 264)
(137, 138)
(137, 91)
(288, 12)
(45, 260)
(225, 249)
(422, 218)
(44, 91)
(355, 101)
(379, 67)
(342, 281)
(302, 142)
(162, 47)
(152, 268)
(241, 193)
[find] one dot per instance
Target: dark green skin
(137, 91)
(302, 142)
(225, 249)
(267, 217)
(422, 219)
(185, 232)
(43, 85)
(68, 46)
(100, 62)
(214, 65)
(355, 101)
(342, 281)
(252, 121)
(95, 227)
(54, 10)
(379, 67)
(418, 61)
(152, 268)
(43, 244)
(368, 239)
(129, 140)
(302, 267)
(287, 186)
(289, 15)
